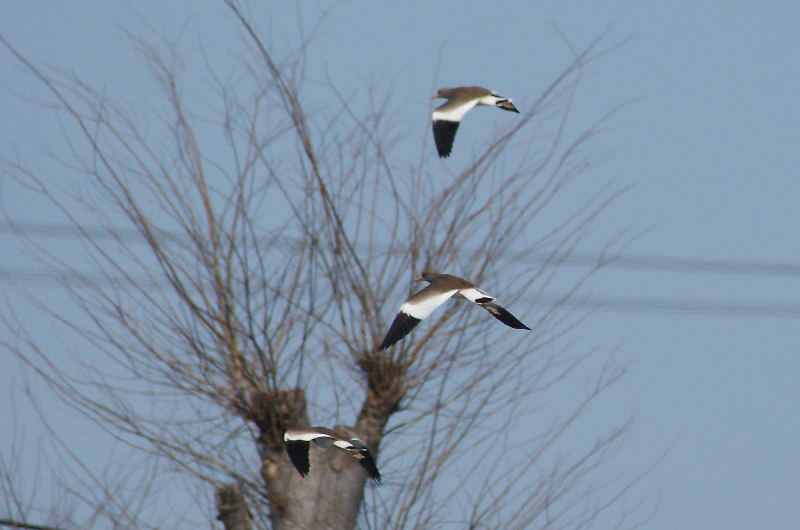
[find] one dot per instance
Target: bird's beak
(419, 278)
(436, 95)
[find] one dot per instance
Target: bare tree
(271, 272)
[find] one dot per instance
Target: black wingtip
(444, 133)
(507, 105)
(369, 464)
(403, 323)
(501, 314)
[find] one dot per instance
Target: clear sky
(709, 137)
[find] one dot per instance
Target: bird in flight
(442, 287)
(446, 117)
(298, 441)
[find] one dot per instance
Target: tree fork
(385, 388)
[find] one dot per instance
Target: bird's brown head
(443, 93)
(428, 275)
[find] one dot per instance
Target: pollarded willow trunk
(328, 497)
(331, 494)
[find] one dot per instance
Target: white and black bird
(298, 441)
(460, 100)
(442, 287)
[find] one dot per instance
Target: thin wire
(628, 262)
(613, 304)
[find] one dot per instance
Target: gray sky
(709, 138)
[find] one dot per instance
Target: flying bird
(298, 441)
(460, 100)
(442, 287)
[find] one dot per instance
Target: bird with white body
(298, 442)
(460, 100)
(442, 287)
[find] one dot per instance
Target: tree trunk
(328, 497)
(232, 508)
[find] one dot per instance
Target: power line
(650, 263)
(616, 304)
(725, 308)
(691, 265)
